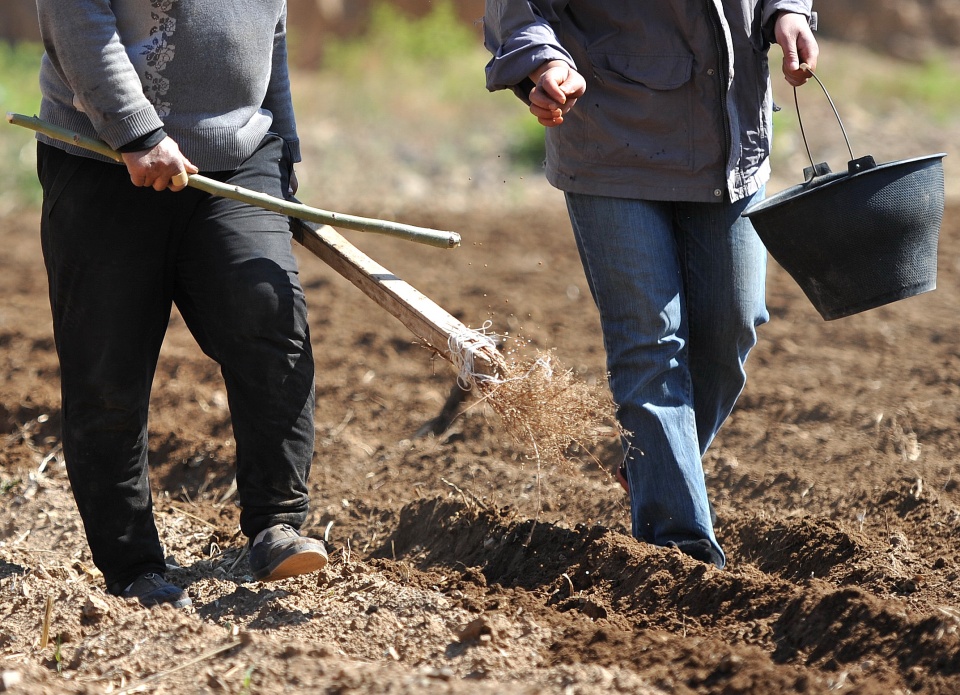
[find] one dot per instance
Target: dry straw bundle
(540, 403)
(549, 408)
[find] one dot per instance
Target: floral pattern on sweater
(159, 53)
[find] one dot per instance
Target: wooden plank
(435, 327)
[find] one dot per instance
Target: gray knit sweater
(212, 73)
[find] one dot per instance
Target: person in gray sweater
(659, 121)
(177, 88)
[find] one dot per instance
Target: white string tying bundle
(463, 346)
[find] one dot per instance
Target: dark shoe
(280, 552)
(701, 550)
(152, 590)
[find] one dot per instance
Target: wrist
(145, 142)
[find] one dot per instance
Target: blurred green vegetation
(934, 86)
(403, 41)
(19, 93)
(417, 85)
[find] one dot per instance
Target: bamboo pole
(422, 235)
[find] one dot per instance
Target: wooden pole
(474, 354)
(422, 235)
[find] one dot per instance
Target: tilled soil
(461, 564)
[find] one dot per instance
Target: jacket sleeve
(521, 36)
(278, 99)
(84, 47)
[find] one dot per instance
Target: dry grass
(548, 408)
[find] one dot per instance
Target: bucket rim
(801, 190)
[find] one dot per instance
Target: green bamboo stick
(422, 235)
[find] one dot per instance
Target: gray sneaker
(152, 589)
(280, 552)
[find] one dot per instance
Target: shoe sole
(182, 602)
(302, 562)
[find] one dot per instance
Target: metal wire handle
(806, 67)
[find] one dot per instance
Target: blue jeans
(680, 290)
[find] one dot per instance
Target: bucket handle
(815, 170)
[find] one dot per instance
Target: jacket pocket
(638, 110)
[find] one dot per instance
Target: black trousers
(117, 258)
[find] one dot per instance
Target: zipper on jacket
(723, 73)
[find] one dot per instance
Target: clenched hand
(155, 168)
(557, 88)
(799, 46)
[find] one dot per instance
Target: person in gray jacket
(176, 87)
(658, 119)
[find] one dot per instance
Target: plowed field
(459, 564)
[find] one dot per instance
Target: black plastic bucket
(858, 239)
